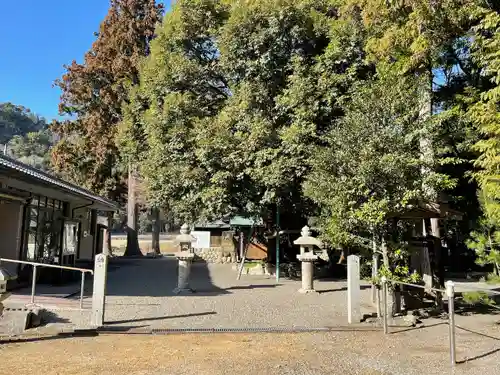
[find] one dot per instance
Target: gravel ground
(140, 293)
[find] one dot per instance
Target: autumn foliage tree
(93, 93)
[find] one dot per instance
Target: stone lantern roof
(306, 239)
(185, 237)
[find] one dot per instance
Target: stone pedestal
(307, 260)
(185, 259)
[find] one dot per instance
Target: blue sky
(36, 39)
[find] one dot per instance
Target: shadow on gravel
(416, 328)
(157, 278)
(252, 287)
(342, 289)
(58, 336)
(161, 318)
(477, 333)
(480, 356)
(47, 316)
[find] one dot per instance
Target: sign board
(202, 239)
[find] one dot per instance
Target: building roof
(430, 210)
(33, 174)
(235, 221)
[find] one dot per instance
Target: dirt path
(343, 353)
(176, 354)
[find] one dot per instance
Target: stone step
(16, 320)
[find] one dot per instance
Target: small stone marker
(99, 294)
(353, 289)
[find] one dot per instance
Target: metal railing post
(81, 290)
(33, 285)
(450, 293)
(384, 302)
(34, 274)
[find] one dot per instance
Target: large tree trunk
(106, 248)
(155, 245)
(394, 294)
(428, 156)
(374, 270)
(343, 256)
(132, 218)
(438, 281)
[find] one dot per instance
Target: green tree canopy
(33, 148)
(18, 120)
(232, 99)
(371, 167)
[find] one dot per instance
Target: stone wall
(215, 255)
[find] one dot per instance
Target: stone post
(353, 289)
(185, 259)
(99, 292)
(307, 260)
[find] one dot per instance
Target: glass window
(43, 230)
(70, 239)
(30, 254)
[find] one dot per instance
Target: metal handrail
(416, 286)
(474, 289)
(450, 293)
(47, 265)
(35, 265)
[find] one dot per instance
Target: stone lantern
(185, 239)
(307, 259)
(185, 258)
(5, 276)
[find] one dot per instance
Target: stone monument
(99, 293)
(353, 289)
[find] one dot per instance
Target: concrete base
(17, 320)
(307, 291)
(183, 291)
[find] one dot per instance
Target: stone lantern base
(307, 260)
(185, 259)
